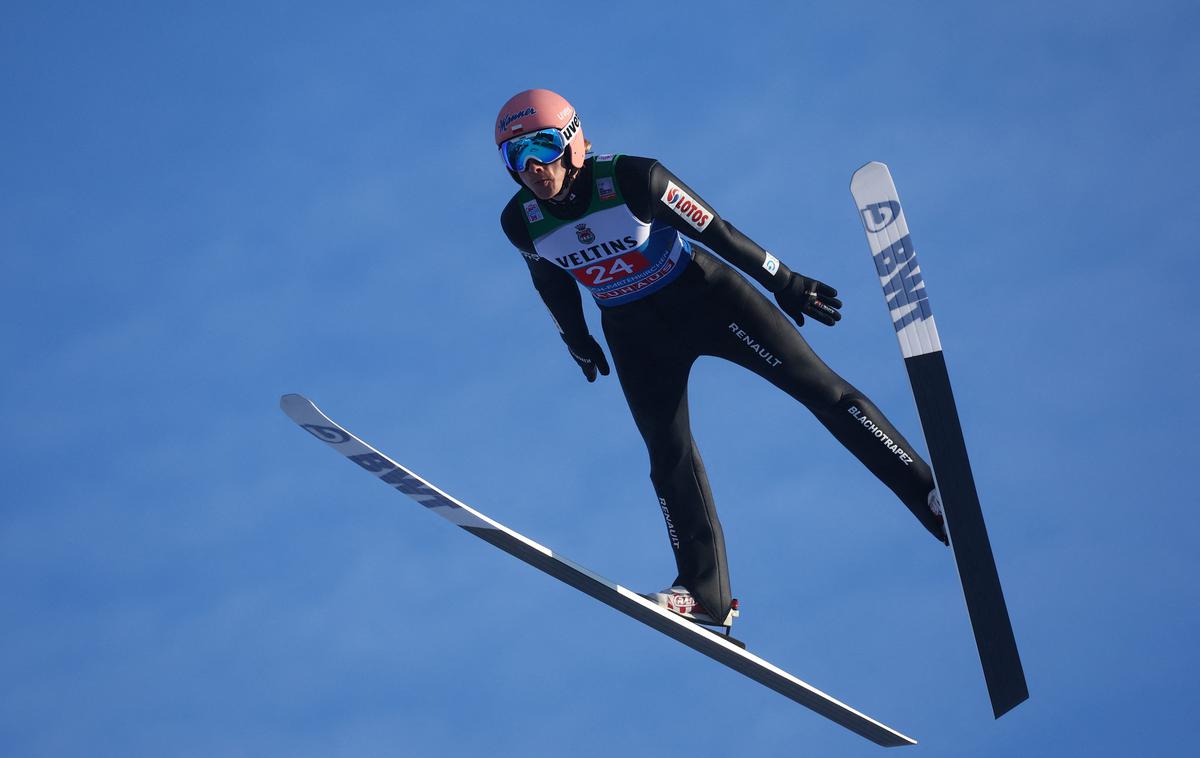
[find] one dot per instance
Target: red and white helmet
(537, 109)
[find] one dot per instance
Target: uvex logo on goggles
(569, 130)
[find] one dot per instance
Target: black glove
(588, 354)
(802, 296)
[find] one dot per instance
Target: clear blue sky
(206, 205)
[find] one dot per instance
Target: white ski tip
(302, 410)
(873, 177)
(869, 168)
(292, 401)
(895, 259)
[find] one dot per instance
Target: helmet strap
(572, 173)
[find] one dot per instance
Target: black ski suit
(708, 309)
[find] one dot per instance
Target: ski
(710, 643)
(908, 304)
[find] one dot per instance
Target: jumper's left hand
(802, 297)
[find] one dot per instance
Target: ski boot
(679, 600)
(935, 505)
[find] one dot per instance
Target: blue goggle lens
(545, 146)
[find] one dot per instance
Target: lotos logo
(697, 216)
(586, 236)
(504, 121)
(879, 216)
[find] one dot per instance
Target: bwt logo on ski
(402, 480)
(879, 216)
(326, 433)
(903, 287)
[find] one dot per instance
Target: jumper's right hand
(588, 354)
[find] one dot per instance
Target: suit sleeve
(653, 193)
(558, 289)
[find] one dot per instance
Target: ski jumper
(622, 233)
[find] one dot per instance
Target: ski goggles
(543, 146)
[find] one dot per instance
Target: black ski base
(723, 635)
(972, 549)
